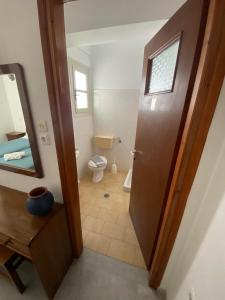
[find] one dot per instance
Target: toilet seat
(91, 164)
(98, 171)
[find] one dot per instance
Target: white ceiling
(138, 31)
(92, 14)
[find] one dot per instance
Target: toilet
(98, 172)
(100, 143)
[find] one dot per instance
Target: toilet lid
(93, 165)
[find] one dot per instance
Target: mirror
(18, 144)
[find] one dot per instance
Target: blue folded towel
(14, 146)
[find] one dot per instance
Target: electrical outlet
(191, 294)
(45, 139)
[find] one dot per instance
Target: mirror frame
(17, 69)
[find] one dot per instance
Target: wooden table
(44, 240)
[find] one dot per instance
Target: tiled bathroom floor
(106, 223)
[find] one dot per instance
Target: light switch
(45, 138)
(42, 126)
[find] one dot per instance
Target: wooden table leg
(14, 276)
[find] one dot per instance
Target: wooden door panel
(161, 120)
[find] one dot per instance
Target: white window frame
(85, 70)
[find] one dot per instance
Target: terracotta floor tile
(84, 233)
(130, 237)
(86, 198)
(90, 210)
(119, 199)
(122, 251)
(93, 224)
(107, 215)
(106, 224)
(104, 203)
(114, 187)
(97, 242)
(113, 231)
(124, 220)
(82, 217)
(119, 207)
(138, 258)
(83, 206)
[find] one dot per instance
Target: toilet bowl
(98, 172)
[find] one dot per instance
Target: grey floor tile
(92, 277)
(95, 276)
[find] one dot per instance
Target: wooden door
(170, 64)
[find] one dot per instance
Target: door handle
(135, 152)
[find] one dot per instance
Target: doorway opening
(105, 67)
(203, 102)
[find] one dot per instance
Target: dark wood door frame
(53, 38)
(204, 99)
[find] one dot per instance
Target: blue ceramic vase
(40, 201)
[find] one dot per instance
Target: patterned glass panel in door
(163, 67)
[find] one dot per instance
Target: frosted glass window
(81, 90)
(81, 100)
(80, 81)
(163, 69)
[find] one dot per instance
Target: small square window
(80, 81)
(81, 100)
(81, 93)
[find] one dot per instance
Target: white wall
(116, 74)
(83, 122)
(115, 114)
(20, 43)
(89, 14)
(6, 122)
(118, 66)
(198, 257)
(117, 69)
(13, 99)
(77, 54)
(114, 34)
